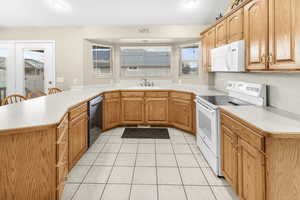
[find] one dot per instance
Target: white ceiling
(107, 12)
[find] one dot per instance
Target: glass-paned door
(7, 81)
(34, 67)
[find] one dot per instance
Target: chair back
(54, 90)
(35, 94)
(14, 98)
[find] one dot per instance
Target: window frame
(147, 46)
(111, 71)
(189, 60)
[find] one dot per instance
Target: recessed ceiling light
(59, 5)
(190, 3)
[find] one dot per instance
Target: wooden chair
(54, 91)
(35, 94)
(14, 98)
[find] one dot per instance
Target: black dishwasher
(95, 119)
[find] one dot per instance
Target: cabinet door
(78, 132)
(284, 18)
(211, 43)
(111, 113)
(133, 110)
(156, 110)
(181, 114)
(251, 172)
(256, 34)
(204, 44)
(221, 34)
(235, 28)
(229, 161)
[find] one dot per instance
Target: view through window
(189, 60)
(102, 60)
(145, 61)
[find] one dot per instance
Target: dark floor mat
(150, 133)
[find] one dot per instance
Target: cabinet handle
(271, 59)
(263, 59)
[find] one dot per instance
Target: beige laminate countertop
(49, 110)
(270, 120)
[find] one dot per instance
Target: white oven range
(208, 116)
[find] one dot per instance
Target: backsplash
(284, 89)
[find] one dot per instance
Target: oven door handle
(205, 108)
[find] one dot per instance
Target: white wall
(71, 49)
(284, 88)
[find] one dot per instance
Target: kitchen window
(154, 61)
(189, 60)
(102, 60)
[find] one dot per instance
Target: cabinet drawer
(181, 95)
(132, 94)
(243, 132)
(156, 94)
(78, 110)
(112, 95)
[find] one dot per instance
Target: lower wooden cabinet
(251, 172)
(156, 111)
(242, 162)
(181, 114)
(229, 154)
(132, 110)
(111, 112)
(78, 133)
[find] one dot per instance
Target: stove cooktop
(224, 100)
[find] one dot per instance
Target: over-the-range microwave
(229, 58)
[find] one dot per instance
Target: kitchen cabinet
(156, 107)
(229, 155)
(235, 29)
(221, 34)
(111, 110)
(208, 42)
(284, 34)
(181, 111)
(132, 104)
(62, 165)
(251, 172)
(78, 133)
(243, 159)
(256, 34)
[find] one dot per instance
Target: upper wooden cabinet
(208, 43)
(284, 34)
(221, 34)
(256, 34)
(235, 29)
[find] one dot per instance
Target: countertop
(270, 120)
(50, 109)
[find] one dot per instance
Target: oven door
(207, 128)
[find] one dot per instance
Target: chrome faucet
(146, 83)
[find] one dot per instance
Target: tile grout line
(156, 170)
(110, 172)
(182, 184)
(133, 171)
(210, 187)
(90, 167)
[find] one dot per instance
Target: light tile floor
(145, 169)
